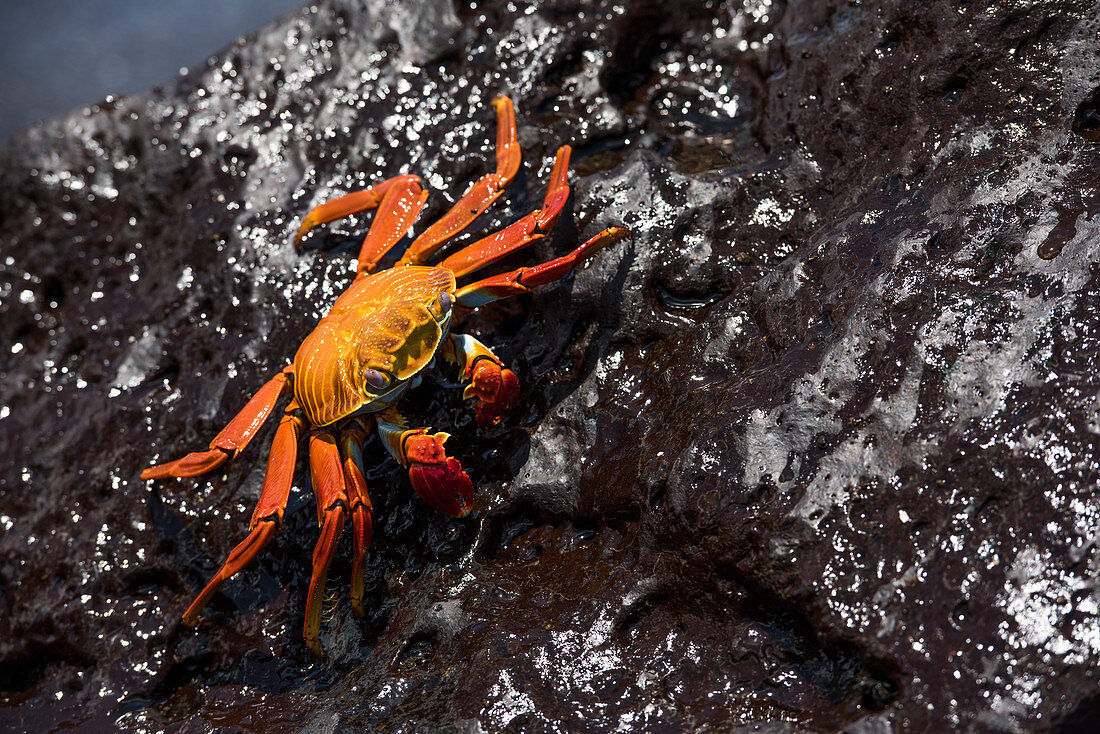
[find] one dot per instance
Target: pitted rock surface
(817, 450)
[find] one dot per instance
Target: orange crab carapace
(370, 348)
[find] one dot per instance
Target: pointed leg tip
(170, 470)
(303, 229)
(358, 572)
(314, 647)
(192, 465)
(193, 616)
(162, 471)
(606, 238)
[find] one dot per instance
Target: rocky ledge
(817, 450)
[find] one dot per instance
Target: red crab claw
(496, 389)
(436, 477)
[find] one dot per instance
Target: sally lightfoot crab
(370, 348)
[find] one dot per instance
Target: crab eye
(445, 302)
(375, 379)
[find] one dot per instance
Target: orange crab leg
(353, 203)
(399, 209)
(523, 280)
(522, 233)
(480, 196)
(351, 453)
(268, 516)
(234, 437)
(327, 474)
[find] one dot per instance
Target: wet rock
(816, 450)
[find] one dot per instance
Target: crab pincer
(436, 477)
(496, 389)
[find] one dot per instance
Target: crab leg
(522, 280)
(436, 477)
(327, 474)
(268, 516)
(522, 233)
(399, 201)
(399, 209)
(495, 387)
(353, 203)
(232, 439)
(351, 454)
(480, 196)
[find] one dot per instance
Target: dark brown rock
(816, 451)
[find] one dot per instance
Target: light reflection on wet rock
(816, 450)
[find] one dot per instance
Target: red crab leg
(399, 209)
(480, 196)
(495, 387)
(353, 203)
(232, 439)
(522, 233)
(522, 280)
(351, 453)
(327, 474)
(436, 477)
(268, 516)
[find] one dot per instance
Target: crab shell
(391, 322)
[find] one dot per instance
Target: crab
(371, 348)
